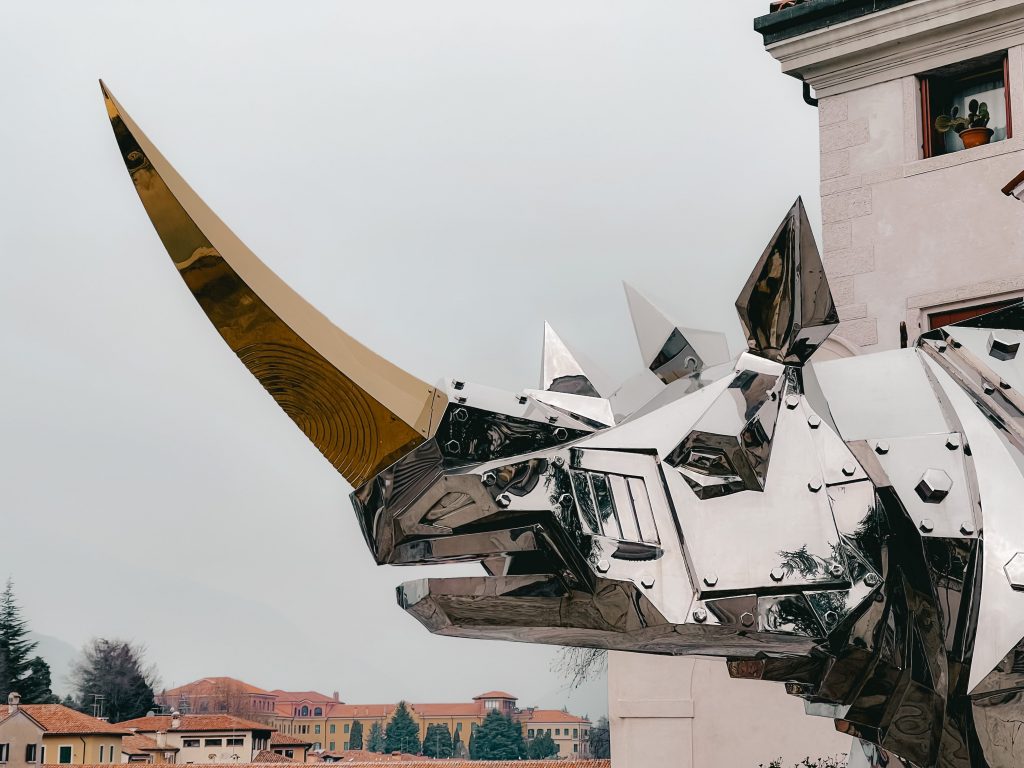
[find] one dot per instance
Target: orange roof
(495, 695)
(278, 739)
(213, 684)
(370, 711)
(302, 696)
(154, 723)
(56, 718)
(137, 744)
(266, 756)
(462, 709)
(553, 716)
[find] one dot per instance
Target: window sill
(983, 152)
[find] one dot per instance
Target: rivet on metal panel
(872, 579)
(461, 414)
(711, 579)
(940, 346)
(1002, 346)
(552, 419)
(926, 525)
(987, 387)
(792, 401)
(814, 484)
(849, 468)
(831, 617)
(558, 461)
(747, 619)
(700, 615)
(488, 478)
(953, 441)
(647, 582)
(933, 486)
(452, 446)
(881, 447)
(814, 421)
(461, 401)
(777, 574)
(458, 384)
(603, 566)
(561, 433)
(1004, 384)
(503, 500)
(967, 528)
(565, 500)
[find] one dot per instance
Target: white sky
(438, 177)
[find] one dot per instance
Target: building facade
(37, 734)
(218, 695)
(570, 733)
(138, 748)
(204, 738)
(916, 233)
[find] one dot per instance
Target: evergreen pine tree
(376, 742)
(458, 748)
(402, 733)
(498, 738)
(355, 736)
(115, 670)
(20, 671)
(542, 746)
(600, 739)
(438, 741)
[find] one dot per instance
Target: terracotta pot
(975, 137)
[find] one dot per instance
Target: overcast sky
(439, 177)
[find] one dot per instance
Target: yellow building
(34, 734)
(570, 733)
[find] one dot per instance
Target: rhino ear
(786, 307)
(360, 411)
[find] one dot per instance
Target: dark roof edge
(816, 14)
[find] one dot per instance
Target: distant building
(205, 738)
(570, 733)
(138, 748)
(289, 747)
(34, 734)
(217, 695)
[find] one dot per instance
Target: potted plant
(972, 130)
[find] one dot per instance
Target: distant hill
(60, 656)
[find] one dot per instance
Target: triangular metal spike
(786, 307)
(669, 350)
(560, 370)
(361, 411)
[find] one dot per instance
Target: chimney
(12, 702)
(161, 739)
(336, 696)
(175, 720)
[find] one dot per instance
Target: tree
(402, 733)
(600, 740)
(376, 742)
(458, 748)
(497, 738)
(541, 746)
(111, 675)
(579, 665)
(438, 741)
(355, 736)
(20, 671)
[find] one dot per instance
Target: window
(318, 712)
(234, 741)
(304, 712)
(289, 753)
(213, 743)
(939, 319)
(575, 733)
(334, 728)
(30, 753)
(330, 746)
(101, 752)
(42, 755)
(316, 728)
(5, 752)
(529, 733)
(190, 742)
(346, 729)
(458, 726)
(982, 80)
(344, 746)
(575, 747)
(64, 753)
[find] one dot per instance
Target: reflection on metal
(818, 525)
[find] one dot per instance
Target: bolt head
(647, 582)
(814, 421)
(561, 433)
(1014, 571)
(792, 401)
(849, 469)
(559, 461)
(814, 484)
(872, 579)
(926, 525)
(710, 579)
(881, 447)
(747, 619)
(565, 500)
(953, 441)
(452, 446)
(603, 566)
(987, 388)
(934, 486)
(460, 414)
(1003, 384)
(458, 384)
(831, 617)
(700, 615)
(777, 574)
(940, 346)
(967, 528)
(488, 478)
(503, 500)
(1002, 345)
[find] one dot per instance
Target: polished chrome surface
(850, 529)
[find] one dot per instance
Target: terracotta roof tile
(191, 723)
(212, 685)
(56, 718)
(266, 756)
(553, 716)
(278, 739)
(460, 709)
(495, 695)
(137, 744)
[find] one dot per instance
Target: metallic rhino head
(817, 525)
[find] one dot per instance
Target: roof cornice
(899, 41)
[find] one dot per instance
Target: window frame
(929, 136)
(213, 741)
(32, 752)
(5, 752)
(239, 741)
(60, 754)
(187, 743)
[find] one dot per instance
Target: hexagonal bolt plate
(934, 486)
(1014, 571)
(1002, 346)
